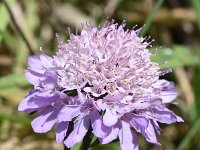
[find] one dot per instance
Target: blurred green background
(25, 25)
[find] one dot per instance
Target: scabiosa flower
(104, 80)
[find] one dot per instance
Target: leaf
(15, 118)
(195, 111)
(186, 140)
(149, 20)
(21, 55)
(75, 18)
(76, 147)
(13, 95)
(177, 56)
(112, 146)
(13, 80)
(196, 7)
(4, 15)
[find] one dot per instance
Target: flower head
(103, 79)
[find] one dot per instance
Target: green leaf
(13, 80)
(196, 7)
(112, 146)
(149, 20)
(15, 118)
(13, 94)
(76, 147)
(186, 141)
(195, 85)
(4, 15)
(176, 56)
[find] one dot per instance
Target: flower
(104, 79)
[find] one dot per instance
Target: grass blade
(15, 118)
(13, 80)
(189, 136)
(150, 18)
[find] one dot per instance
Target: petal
(45, 121)
(81, 97)
(23, 106)
(143, 104)
(34, 62)
(49, 77)
(164, 85)
(165, 116)
(47, 61)
(80, 129)
(101, 105)
(99, 129)
(150, 134)
(33, 76)
(109, 118)
(140, 123)
(128, 139)
(61, 131)
(112, 134)
(168, 96)
(156, 126)
(67, 113)
(42, 99)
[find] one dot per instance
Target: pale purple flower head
(102, 79)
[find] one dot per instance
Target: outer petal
(99, 129)
(143, 104)
(164, 85)
(67, 113)
(61, 131)
(49, 77)
(35, 62)
(156, 126)
(47, 61)
(165, 116)
(128, 139)
(33, 76)
(150, 134)
(168, 96)
(112, 134)
(23, 106)
(80, 129)
(45, 121)
(37, 68)
(167, 86)
(42, 99)
(109, 119)
(140, 123)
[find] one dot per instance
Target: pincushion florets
(102, 79)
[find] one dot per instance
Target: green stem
(95, 143)
(196, 6)
(14, 118)
(185, 142)
(150, 18)
(21, 33)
